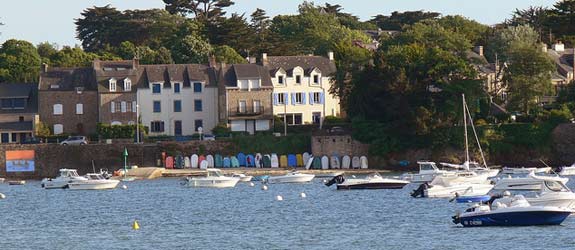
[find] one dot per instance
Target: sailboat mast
(465, 129)
(476, 137)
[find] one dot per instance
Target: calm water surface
(176, 217)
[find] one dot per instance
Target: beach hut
(250, 161)
(345, 162)
(187, 163)
(169, 162)
(324, 162)
(194, 160)
(316, 162)
(241, 159)
(210, 160)
(355, 162)
(179, 162)
(306, 156)
(267, 161)
(334, 162)
(291, 161)
(200, 159)
(283, 161)
(218, 161)
(363, 161)
(259, 161)
(309, 163)
(203, 164)
(227, 162)
(275, 161)
(235, 162)
(299, 160)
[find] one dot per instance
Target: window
(157, 107)
(156, 88)
(112, 107)
(79, 108)
(5, 137)
(316, 79)
(112, 85)
(198, 124)
(197, 87)
(157, 126)
(281, 98)
(129, 107)
(21, 118)
(298, 99)
(15, 103)
(316, 117)
(298, 79)
(6, 103)
(197, 105)
(177, 88)
(280, 79)
(58, 129)
(257, 106)
(177, 106)
(123, 107)
(127, 84)
(134, 106)
(316, 98)
(14, 137)
(294, 119)
(19, 103)
(118, 107)
(58, 109)
(242, 106)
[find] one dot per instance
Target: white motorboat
(372, 181)
(243, 177)
(456, 190)
(213, 179)
(511, 211)
(291, 177)
(94, 182)
(474, 167)
(530, 182)
(66, 176)
(553, 193)
(523, 170)
(427, 172)
(567, 170)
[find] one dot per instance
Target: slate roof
(20, 90)
(288, 63)
(563, 60)
(231, 73)
(168, 73)
(67, 79)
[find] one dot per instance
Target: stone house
(177, 99)
(301, 87)
(116, 81)
(18, 111)
(68, 100)
(245, 97)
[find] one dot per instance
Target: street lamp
(200, 129)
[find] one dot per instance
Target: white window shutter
(112, 107)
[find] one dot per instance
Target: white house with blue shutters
(301, 88)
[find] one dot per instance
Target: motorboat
(213, 178)
(291, 177)
(94, 181)
(372, 181)
(530, 182)
(566, 170)
(473, 167)
(553, 193)
(511, 211)
(65, 177)
(427, 172)
(17, 182)
(460, 184)
(243, 177)
(330, 174)
(523, 170)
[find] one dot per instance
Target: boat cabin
(68, 173)
(213, 173)
(94, 176)
(427, 167)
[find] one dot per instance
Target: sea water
(172, 216)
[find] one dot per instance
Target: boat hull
(54, 184)
(290, 179)
(452, 191)
(384, 185)
(93, 185)
(213, 183)
(526, 218)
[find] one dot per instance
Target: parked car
(75, 140)
(336, 129)
(209, 137)
(31, 140)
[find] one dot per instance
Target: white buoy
(264, 187)
(252, 184)
(124, 187)
(324, 181)
(302, 195)
(279, 198)
(2, 196)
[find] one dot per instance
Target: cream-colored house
(301, 88)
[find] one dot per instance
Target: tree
(145, 54)
(562, 18)
(398, 20)
(500, 43)
(472, 30)
(260, 24)
(536, 17)
(192, 49)
(203, 10)
(233, 31)
(97, 27)
(528, 75)
(349, 60)
(227, 54)
(19, 61)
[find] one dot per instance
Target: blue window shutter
(292, 98)
(321, 97)
(311, 98)
(275, 99)
(302, 97)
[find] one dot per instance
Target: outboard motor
(420, 191)
(338, 179)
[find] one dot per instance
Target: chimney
(264, 59)
(559, 47)
(135, 63)
(478, 50)
(251, 60)
(544, 47)
(212, 61)
(44, 67)
(330, 55)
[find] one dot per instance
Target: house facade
(301, 88)
(178, 99)
(68, 100)
(116, 81)
(18, 111)
(245, 95)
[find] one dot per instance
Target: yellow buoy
(135, 226)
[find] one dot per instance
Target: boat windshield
(427, 167)
(69, 173)
(556, 186)
(94, 177)
(214, 173)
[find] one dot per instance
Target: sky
(53, 21)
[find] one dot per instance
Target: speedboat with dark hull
(373, 181)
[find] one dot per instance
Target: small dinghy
(510, 211)
(372, 181)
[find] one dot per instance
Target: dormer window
(280, 79)
(127, 84)
(315, 79)
(298, 79)
(112, 84)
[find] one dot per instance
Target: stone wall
(337, 144)
(73, 123)
(106, 115)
